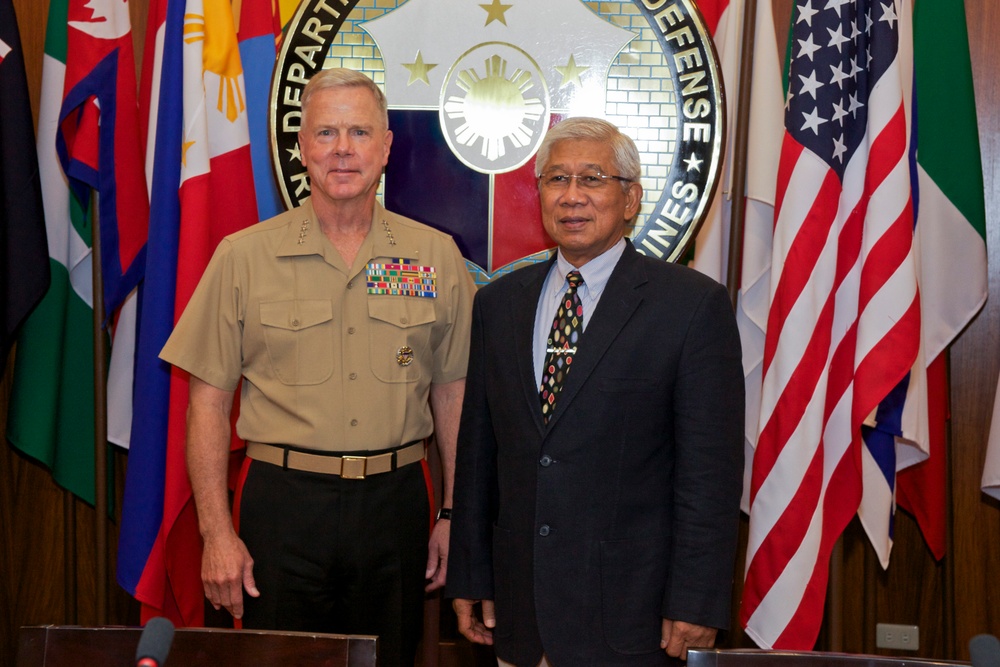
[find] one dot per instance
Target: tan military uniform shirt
(332, 357)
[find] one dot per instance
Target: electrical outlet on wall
(905, 637)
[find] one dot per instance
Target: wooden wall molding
(950, 601)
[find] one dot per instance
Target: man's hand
(437, 555)
(226, 569)
(476, 631)
(676, 637)
(226, 566)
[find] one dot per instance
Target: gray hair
(625, 154)
(339, 77)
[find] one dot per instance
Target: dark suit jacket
(623, 509)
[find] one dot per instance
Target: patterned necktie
(561, 347)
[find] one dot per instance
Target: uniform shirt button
(546, 461)
(353, 376)
(354, 422)
(295, 323)
(351, 330)
(350, 284)
(544, 530)
(403, 320)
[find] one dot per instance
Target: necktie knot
(574, 278)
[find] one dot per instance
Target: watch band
(444, 513)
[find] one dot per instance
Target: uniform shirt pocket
(299, 336)
(400, 337)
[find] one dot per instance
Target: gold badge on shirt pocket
(401, 277)
(404, 355)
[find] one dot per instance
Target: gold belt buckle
(353, 467)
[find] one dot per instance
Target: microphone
(154, 643)
(984, 650)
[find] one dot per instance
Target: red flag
(202, 190)
(712, 11)
(921, 488)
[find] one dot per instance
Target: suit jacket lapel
(619, 301)
(523, 304)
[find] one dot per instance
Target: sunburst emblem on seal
(494, 115)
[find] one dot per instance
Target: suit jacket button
(544, 530)
(546, 461)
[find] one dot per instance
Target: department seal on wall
(472, 87)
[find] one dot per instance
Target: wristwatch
(444, 513)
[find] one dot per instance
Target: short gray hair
(340, 77)
(625, 154)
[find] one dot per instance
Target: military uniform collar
(383, 234)
(303, 235)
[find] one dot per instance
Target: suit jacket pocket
(632, 584)
(503, 598)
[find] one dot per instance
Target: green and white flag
(51, 413)
(951, 223)
(950, 236)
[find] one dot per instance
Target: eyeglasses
(592, 179)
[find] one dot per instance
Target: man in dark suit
(600, 452)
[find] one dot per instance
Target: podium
(75, 646)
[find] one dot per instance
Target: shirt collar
(383, 236)
(596, 272)
(304, 237)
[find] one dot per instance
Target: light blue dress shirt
(595, 274)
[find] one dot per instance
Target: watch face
(472, 88)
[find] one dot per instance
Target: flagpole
(69, 553)
(948, 605)
(741, 137)
(100, 427)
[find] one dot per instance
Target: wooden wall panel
(45, 576)
(31, 531)
(950, 601)
(31, 15)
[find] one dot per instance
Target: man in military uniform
(348, 326)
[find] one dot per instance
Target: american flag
(844, 323)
